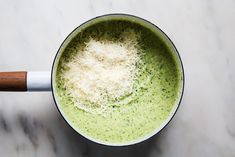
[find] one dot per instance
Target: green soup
(158, 87)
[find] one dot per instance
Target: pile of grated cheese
(103, 71)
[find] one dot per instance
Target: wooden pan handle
(13, 81)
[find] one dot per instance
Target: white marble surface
(204, 33)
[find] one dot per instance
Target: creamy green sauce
(157, 88)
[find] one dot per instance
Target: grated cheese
(103, 71)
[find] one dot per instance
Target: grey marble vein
(30, 129)
(4, 125)
(52, 140)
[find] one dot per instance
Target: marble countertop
(202, 30)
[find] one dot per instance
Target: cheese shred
(103, 71)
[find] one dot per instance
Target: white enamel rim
(132, 18)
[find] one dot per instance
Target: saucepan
(45, 80)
